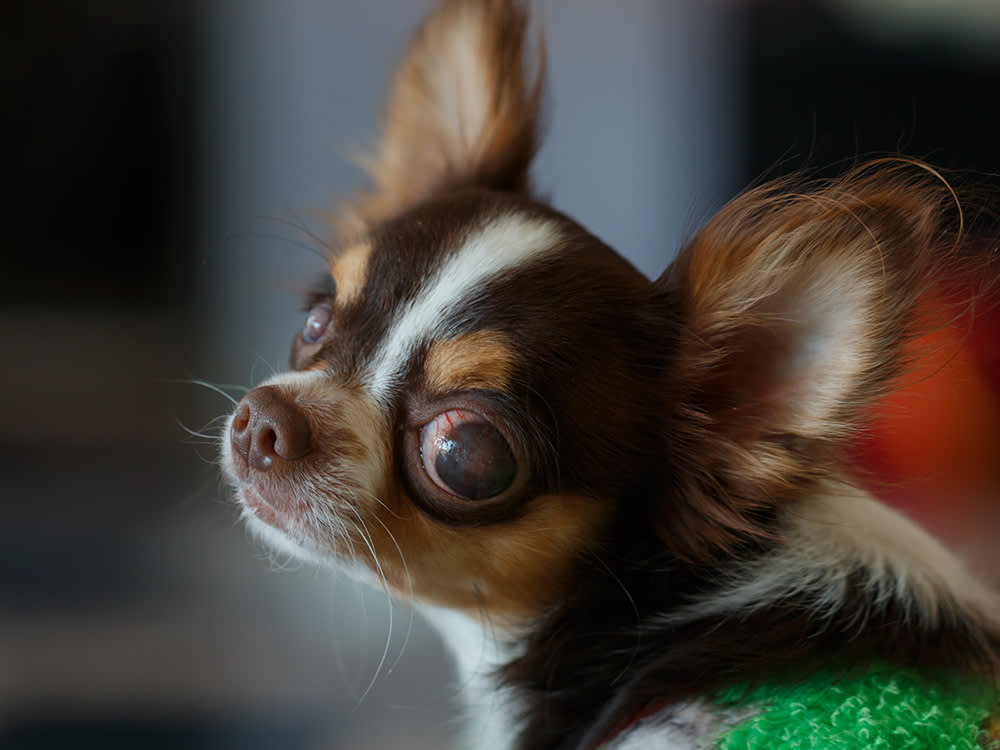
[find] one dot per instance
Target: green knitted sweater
(880, 708)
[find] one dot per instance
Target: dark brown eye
(465, 455)
(316, 323)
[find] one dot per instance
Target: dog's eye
(316, 323)
(466, 456)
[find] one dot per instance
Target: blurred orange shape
(934, 450)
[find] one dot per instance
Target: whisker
(366, 537)
(321, 244)
(312, 243)
(409, 581)
(372, 496)
(215, 387)
(201, 432)
(204, 439)
(335, 607)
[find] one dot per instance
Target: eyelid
(315, 299)
(324, 291)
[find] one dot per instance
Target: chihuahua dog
(610, 495)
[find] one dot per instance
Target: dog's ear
(463, 111)
(792, 307)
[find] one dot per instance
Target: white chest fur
(478, 649)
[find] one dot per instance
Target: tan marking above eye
(350, 270)
(477, 360)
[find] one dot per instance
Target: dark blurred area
(133, 610)
(822, 89)
(98, 131)
(98, 138)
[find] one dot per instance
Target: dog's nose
(267, 427)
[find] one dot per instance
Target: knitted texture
(881, 708)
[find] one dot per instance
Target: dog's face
(466, 402)
(483, 393)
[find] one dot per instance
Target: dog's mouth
(261, 508)
(278, 511)
(283, 522)
(275, 508)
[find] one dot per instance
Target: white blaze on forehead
(502, 244)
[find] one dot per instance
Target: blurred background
(166, 164)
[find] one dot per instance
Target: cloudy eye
(465, 455)
(316, 323)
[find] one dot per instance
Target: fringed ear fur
(463, 111)
(794, 306)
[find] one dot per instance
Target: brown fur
(480, 360)
(745, 288)
(510, 575)
(668, 435)
(349, 270)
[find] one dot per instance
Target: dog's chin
(279, 529)
(268, 511)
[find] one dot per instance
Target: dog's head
(483, 393)
(470, 394)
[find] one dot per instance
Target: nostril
(239, 432)
(263, 449)
(266, 426)
(241, 419)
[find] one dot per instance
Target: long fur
(683, 514)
